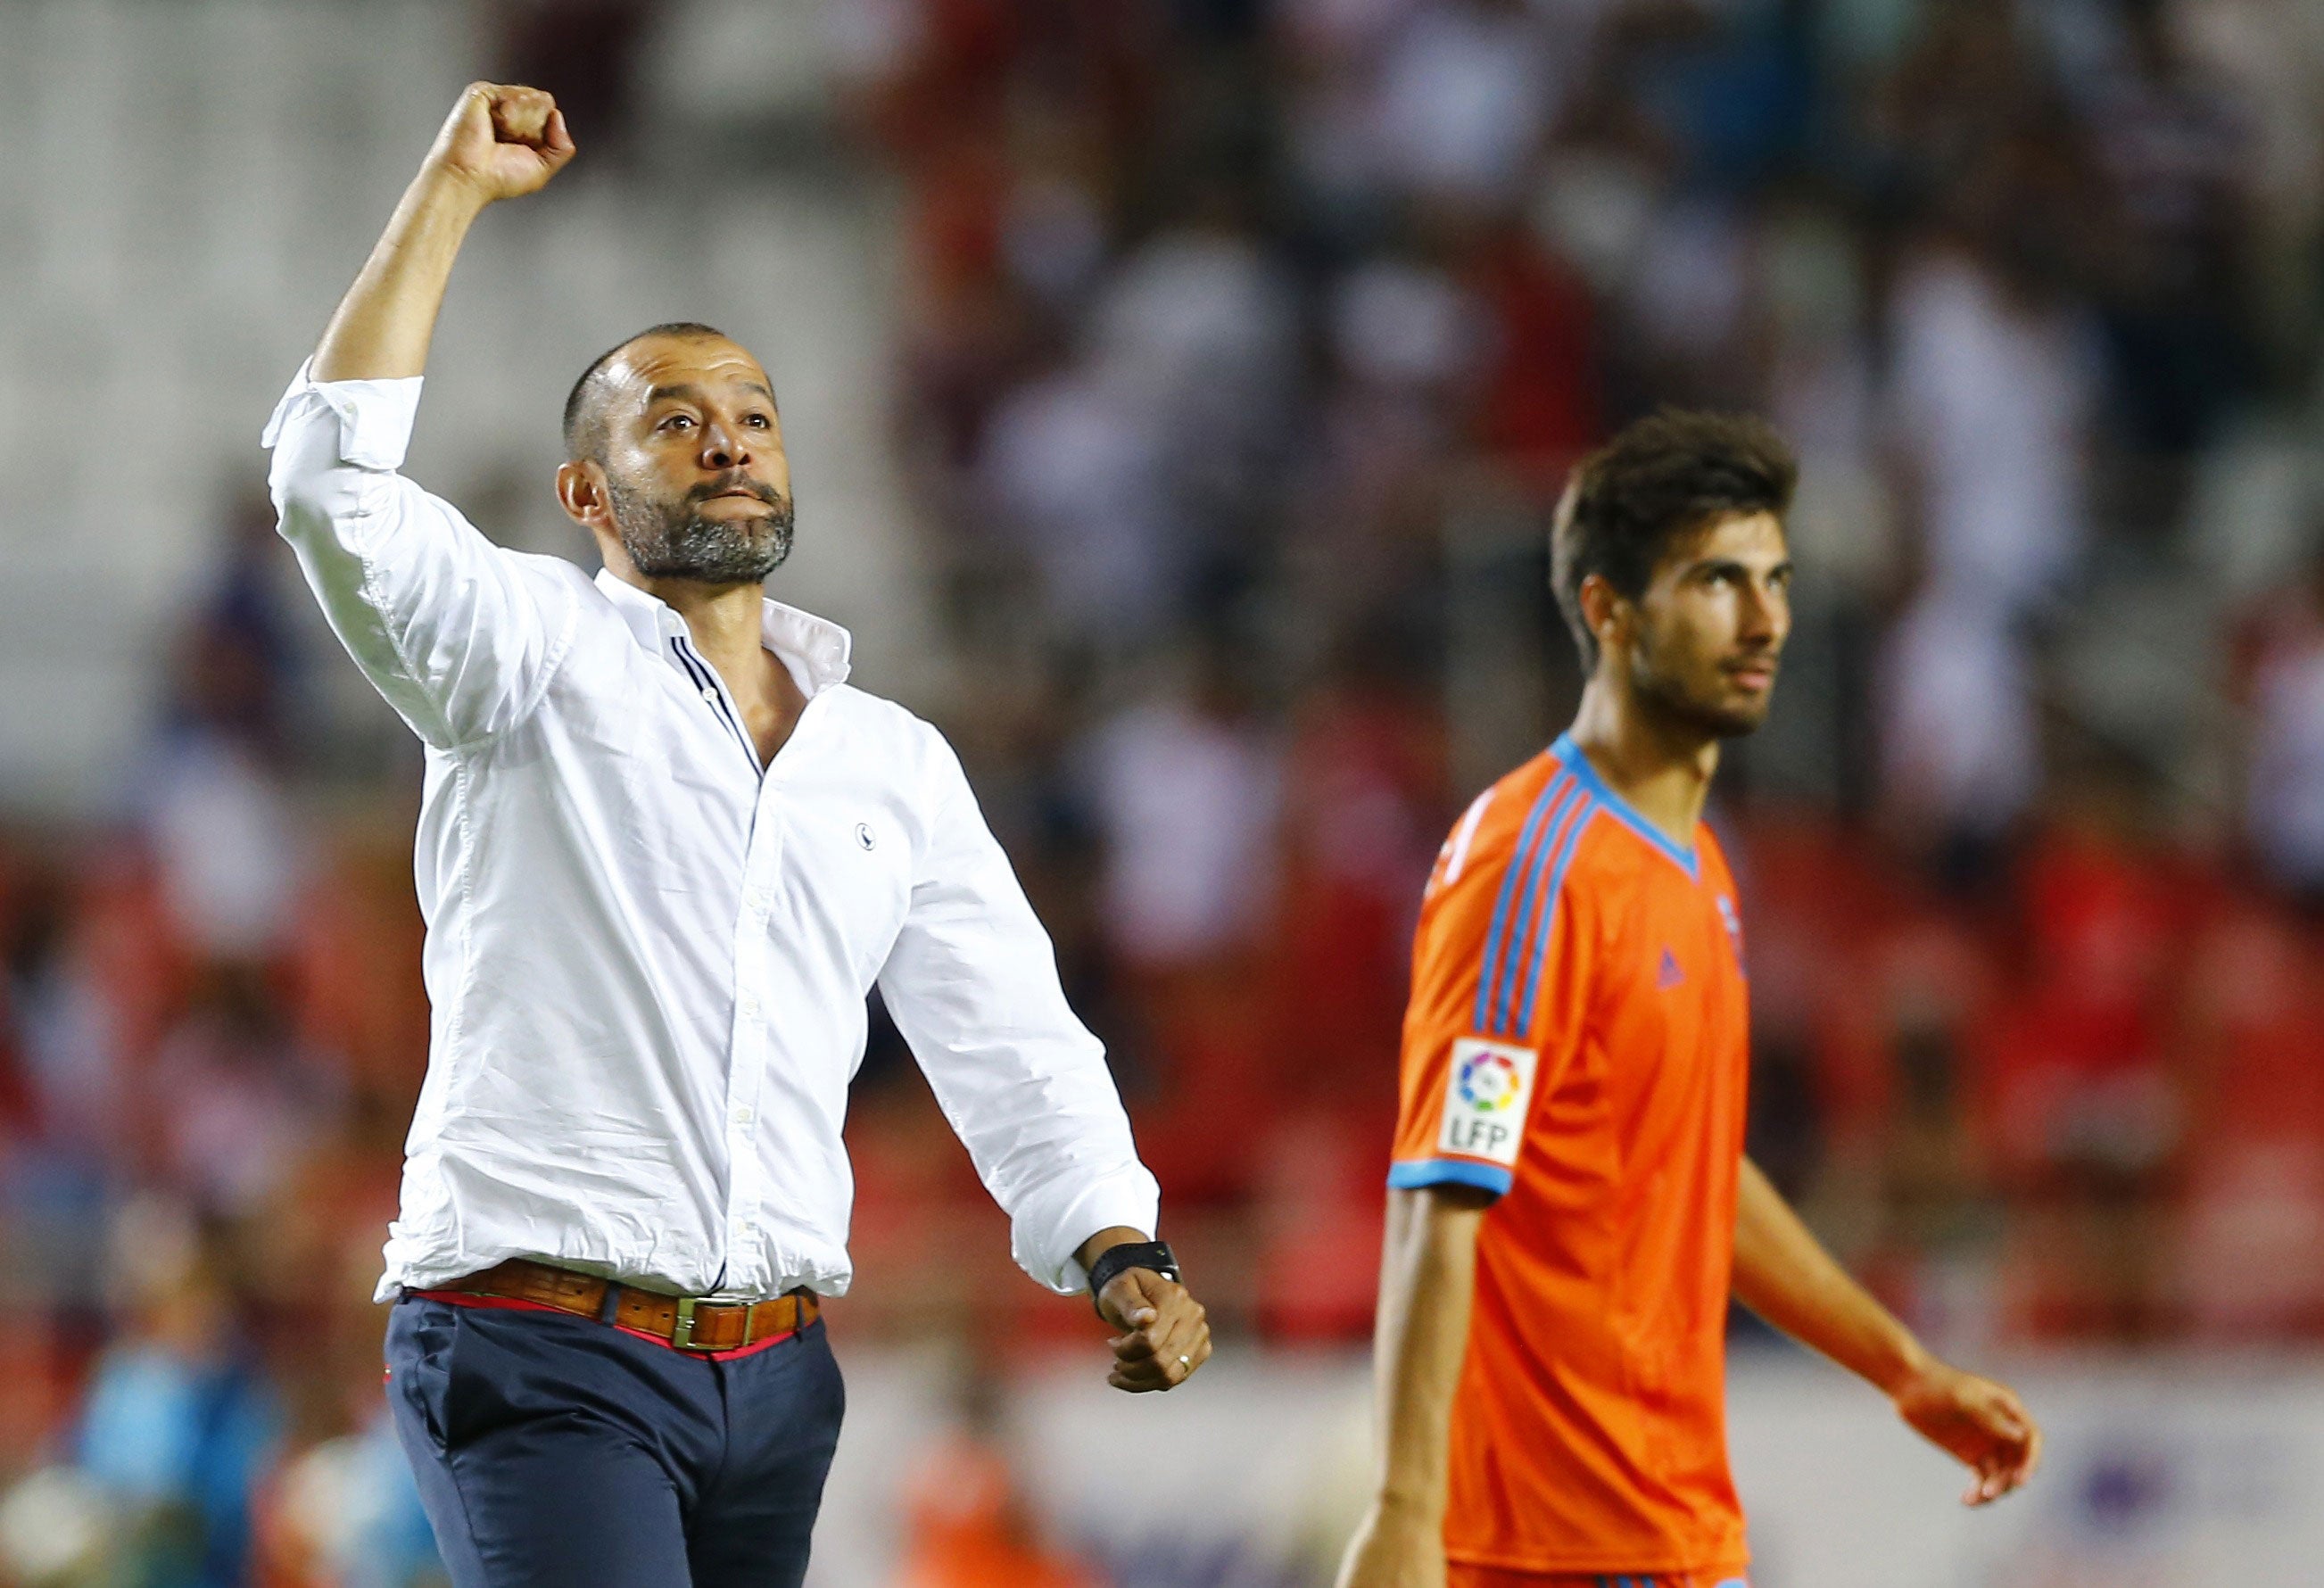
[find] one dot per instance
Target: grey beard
(664, 545)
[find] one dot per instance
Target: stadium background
(1175, 390)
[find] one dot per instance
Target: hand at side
(1977, 1420)
(1165, 1333)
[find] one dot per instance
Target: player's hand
(502, 141)
(1394, 1549)
(1165, 1333)
(1982, 1422)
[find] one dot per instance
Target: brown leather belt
(686, 1322)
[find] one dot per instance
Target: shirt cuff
(1126, 1199)
(1414, 1174)
(376, 417)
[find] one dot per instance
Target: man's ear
(581, 493)
(1604, 611)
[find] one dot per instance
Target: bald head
(586, 405)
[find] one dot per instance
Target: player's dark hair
(584, 408)
(1664, 477)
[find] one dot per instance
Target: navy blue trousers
(554, 1450)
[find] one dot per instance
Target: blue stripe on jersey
(1415, 1173)
(1488, 965)
(1528, 864)
(1539, 952)
(1511, 1011)
(1570, 755)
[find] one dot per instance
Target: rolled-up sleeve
(458, 634)
(972, 985)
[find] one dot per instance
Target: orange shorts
(1457, 1575)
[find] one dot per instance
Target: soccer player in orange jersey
(1570, 1208)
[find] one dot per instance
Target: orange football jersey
(1577, 1045)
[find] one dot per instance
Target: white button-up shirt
(647, 955)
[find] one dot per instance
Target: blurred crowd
(1240, 353)
(1245, 350)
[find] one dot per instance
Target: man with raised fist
(664, 853)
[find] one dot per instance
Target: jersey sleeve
(1499, 978)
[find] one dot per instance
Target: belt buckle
(681, 1338)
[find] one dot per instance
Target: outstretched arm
(1428, 1269)
(500, 142)
(1783, 1273)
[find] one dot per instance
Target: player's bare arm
(1165, 1333)
(1783, 1273)
(500, 142)
(1428, 1267)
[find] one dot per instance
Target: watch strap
(1114, 1260)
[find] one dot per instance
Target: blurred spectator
(180, 1423)
(1187, 788)
(347, 1515)
(2080, 1088)
(1993, 379)
(211, 796)
(2284, 787)
(1076, 470)
(1365, 792)
(235, 1101)
(968, 1524)
(1961, 750)
(2250, 1248)
(2173, 148)
(1465, 90)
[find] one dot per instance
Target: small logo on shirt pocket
(865, 838)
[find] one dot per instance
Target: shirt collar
(815, 649)
(1628, 815)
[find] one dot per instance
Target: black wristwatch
(1130, 1254)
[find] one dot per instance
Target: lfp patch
(1485, 1101)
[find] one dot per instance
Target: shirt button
(710, 694)
(750, 1009)
(760, 897)
(741, 1113)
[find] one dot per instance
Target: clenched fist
(502, 141)
(1165, 1333)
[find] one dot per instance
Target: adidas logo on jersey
(1669, 975)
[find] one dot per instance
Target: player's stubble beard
(1663, 692)
(670, 538)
